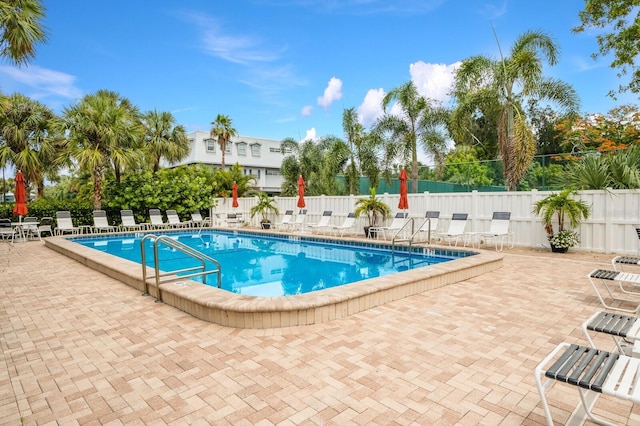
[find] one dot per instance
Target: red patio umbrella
(234, 194)
(20, 209)
(404, 190)
(301, 203)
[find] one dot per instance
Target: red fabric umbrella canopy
(404, 190)
(301, 203)
(20, 209)
(234, 194)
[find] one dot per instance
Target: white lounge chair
(30, 227)
(620, 298)
(323, 223)
(64, 223)
(589, 369)
(286, 220)
(101, 223)
(456, 229)
(623, 329)
(197, 219)
(349, 224)
(396, 224)
(234, 220)
(429, 227)
(299, 220)
(129, 221)
(155, 217)
(45, 226)
(6, 230)
(498, 231)
(174, 220)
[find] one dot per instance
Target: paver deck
(81, 348)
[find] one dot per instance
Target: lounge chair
(323, 223)
(396, 224)
(129, 221)
(620, 262)
(286, 220)
(498, 231)
(299, 220)
(45, 226)
(197, 219)
(234, 220)
(6, 230)
(174, 220)
(155, 217)
(456, 229)
(30, 227)
(605, 278)
(348, 225)
(429, 227)
(623, 329)
(64, 223)
(101, 223)
(589, 369)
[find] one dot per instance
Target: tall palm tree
(163, 139)
(26, 140)
(223, 130)
(354, 134)
(421, 121)
(103, 128)
(481, 80)
(21, 29)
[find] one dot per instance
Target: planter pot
(555, 249)
(265, 225)
(370, 233)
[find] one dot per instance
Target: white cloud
(306, 111)
(433, 80)
(310, 135)
(45, 81)
(332, 93)
(371, 108)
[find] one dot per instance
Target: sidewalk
(81, 348)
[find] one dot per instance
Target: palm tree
(353, 132)
(163, 139)
(480, 81)
(103, 128)
(27, 141)
(420, 121)
(21, 27)
(223, 130)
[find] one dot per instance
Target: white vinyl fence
(609, 229)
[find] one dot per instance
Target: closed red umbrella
(20, 193)
(404, 190)
(301, 203)
(234, 194)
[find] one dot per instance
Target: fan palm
(164, 139)
(21, 29)
(222, 129)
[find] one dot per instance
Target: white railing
(609, 229)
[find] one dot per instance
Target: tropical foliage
(483, 84)
(21, 29)
(222, 129)
(264, 206)
(620, 24)
(164, 139)
(564, 208)
(373, 207)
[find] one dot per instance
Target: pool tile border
(241, 311)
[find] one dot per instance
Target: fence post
(533, 221)
(608, 226)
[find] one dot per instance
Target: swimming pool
(275, 265)
(228, 309)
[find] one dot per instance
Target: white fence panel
(609, 229)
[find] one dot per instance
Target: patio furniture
(623, 329)
(498, 231)
(286, 220)
(155, 217)
(45, 226)
(234, 220)
(348, 224)
(589, 369)
(64, 223)
(198, 220)
(129, 221)
(30, 227)
(605, 278)
(6, 230)
(456, 229)
(429, 226)
(101, 223)
(619, 262)
(299, 221)
(396, 224)
(174, 220)
(323, 223)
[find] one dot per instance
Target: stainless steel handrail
(394, 239)
(171, 275)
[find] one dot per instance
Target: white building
(258, 157)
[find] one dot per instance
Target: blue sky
(288, 68)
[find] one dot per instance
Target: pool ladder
(162, 277)
(414, 232)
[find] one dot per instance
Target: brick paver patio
(81, 348)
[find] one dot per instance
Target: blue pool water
(259, 265)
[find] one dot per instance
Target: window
(273, 172)
(242, 148)
(211, 145)
(255, 150)
(227, 149)
(277, 150)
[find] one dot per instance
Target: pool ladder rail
(168, 276)
(414, 231)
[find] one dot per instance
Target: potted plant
(565, 209)
(374, 208)
(265, 205)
